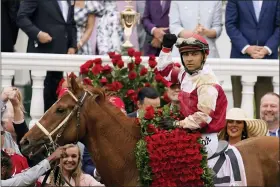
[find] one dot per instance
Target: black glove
(167, 123)
(169, 40)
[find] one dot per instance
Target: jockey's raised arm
(202, 100)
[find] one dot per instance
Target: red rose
(199, 171)
(158, 77)
(159, 111)
(107, 69)
(87, 81)
(115, 86)
(117, 57)
(151, 129)
(130, 52)
(114, 61)
(130, 66)
(147, 84)
(152, 63)
(143, 71)
(137, 54)
(152, 57)
(97, 69)
(97, 61)
(156, 71)
(103, 81)
(132, 75)
(149, 113)
(138, 60)
(134, 98)
(130, 93)
(111, 54)
(120, 64)
(85, 67)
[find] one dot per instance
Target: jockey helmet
(194, 42)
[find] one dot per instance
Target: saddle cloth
(229, 168)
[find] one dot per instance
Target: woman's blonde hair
(76, 175)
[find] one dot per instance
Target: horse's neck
(112, 145)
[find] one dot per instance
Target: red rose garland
(170, 157)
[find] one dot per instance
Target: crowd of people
(93, 27)
(194, 90)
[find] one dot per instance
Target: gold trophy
(129, 18)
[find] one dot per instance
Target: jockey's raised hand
(169, 40)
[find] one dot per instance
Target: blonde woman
(70, 169)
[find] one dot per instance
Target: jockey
(202, 100)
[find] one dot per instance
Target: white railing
(224, 68)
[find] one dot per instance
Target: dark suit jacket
(9, 29)
(87, 164)
(45, 15)
(243, 28)
(132, 114)
(154, 16)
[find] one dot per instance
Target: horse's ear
(98, 95)
(74, 85)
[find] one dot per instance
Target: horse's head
(63, 123)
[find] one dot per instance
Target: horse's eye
(60, 110)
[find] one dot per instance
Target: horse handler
(202, 100)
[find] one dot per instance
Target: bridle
(62, 125)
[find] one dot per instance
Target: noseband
(61, 127)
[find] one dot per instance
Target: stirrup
(222, 146)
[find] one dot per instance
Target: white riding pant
(210, 141)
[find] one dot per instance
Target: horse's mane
(130, 125)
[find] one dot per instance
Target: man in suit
(156, 23)
(9, 29)
(51, 28)
(253, 27)
(140, 7)
(200, 17)
(147, 96)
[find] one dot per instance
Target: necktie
(257, 7)
(64, 8)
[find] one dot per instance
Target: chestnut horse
(86, 115)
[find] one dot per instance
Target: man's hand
(185, 34)
(253, 51)
(201, 30)
(159, 33)
(169, 40)
(262, 53)
(44, 37)
(156, 43)
(71, 51)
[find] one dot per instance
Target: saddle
(222, 146)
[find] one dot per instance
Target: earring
(243, 135)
